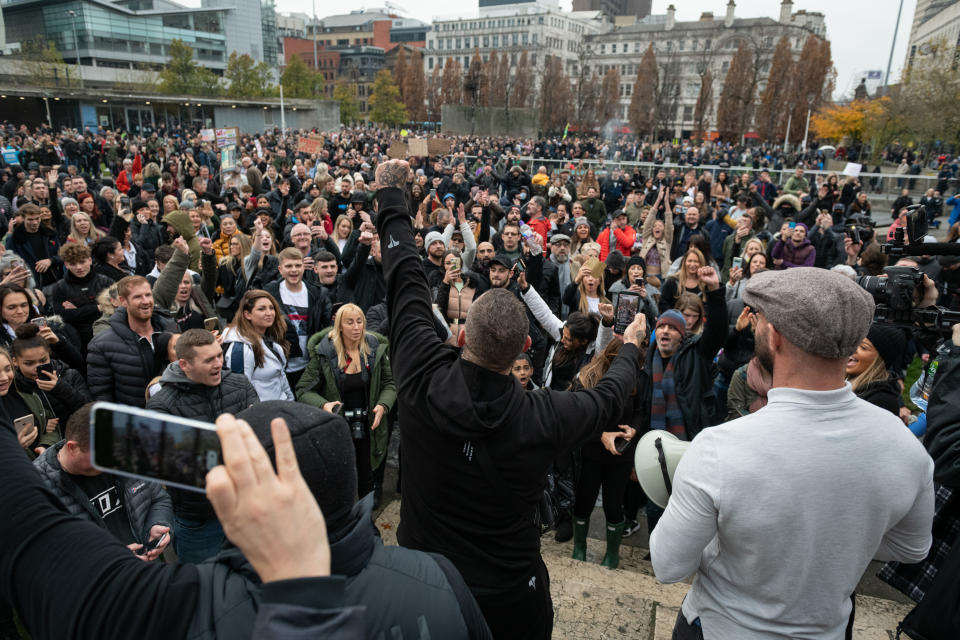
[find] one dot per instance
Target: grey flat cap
(559, 237)
(822, 312)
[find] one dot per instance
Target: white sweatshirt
(778, 514)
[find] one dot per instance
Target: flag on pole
(565, 129)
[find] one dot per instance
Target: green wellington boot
(580, 538)
(611, 559)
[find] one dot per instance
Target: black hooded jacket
(450, 406)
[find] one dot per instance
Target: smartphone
(125, 201)
(628, 304)
(792, 225)
(47, 367)
(455, 263)
(211, 324)
(23, 424)
(433, 193)
(854, 234)
(153, 446)
(40, 321)
(737, 262)
(150, 545)
(519, 267)
(621, 444)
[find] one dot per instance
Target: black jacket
(449, 406)
(408, 594)
(181, 396)
(321, 313)
(107, 592)
(19, 243)
(883, 393)
(82, 293)
(693, 366)
(363, 283)
(120, 363)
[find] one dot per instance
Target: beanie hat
(890, 343)
(579, 221)
(675, 319)
(325, 454)
(433, 236)
(162, 344)
(637, 260)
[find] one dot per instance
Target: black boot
(564, 526)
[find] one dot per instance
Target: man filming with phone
(477, 446)
(139, 514)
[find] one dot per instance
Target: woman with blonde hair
(82, 230)
(342, 229)
(656, 238)
(255, 345)
(687, 279)
(233, 272)
(869, 368)
(349, 373)
(586, 292)
(320, 213)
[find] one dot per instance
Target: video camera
(898, 292)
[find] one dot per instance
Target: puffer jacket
(180, 221)
(270, 380)
(408, 594)
(82, 294)
(145, 503)
(120, 363)
(322, 381)
(181, 396)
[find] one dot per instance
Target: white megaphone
(656, 458)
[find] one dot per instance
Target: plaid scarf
(665, 410)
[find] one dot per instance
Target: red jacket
(541, 226)
(625, 239)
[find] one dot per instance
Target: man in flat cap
(779, 513)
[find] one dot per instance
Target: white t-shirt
(295, 305)
(593, 304)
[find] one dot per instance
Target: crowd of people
(329, 289)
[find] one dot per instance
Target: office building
(935, 23)
(613, 8)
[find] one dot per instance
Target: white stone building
(685, 48)
(934, 22)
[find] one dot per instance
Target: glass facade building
(138, 33)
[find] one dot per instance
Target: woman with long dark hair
(604, 466)
(17, 309)
(254, 344)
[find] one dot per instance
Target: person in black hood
(476, 446)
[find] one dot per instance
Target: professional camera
(899, 291)
(357, 419)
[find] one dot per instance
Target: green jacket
(596, 211)
(317, 386)
(180, 220)
(165, 288)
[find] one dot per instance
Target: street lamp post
(76, 45)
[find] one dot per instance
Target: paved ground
(591, 602)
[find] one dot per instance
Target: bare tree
(736, 99)
(414, 88)
(452, 82)
(435, 94)
(704, 108)
(608, 107)
(523, 81)
(667, 97)
(400, 71)
(778, 94)
(643, 102)
(555, 98)
(814, 82)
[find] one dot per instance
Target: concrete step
(593, 602)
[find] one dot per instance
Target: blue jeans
(196, 540)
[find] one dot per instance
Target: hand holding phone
(628, 304)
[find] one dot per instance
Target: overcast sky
(860, 31)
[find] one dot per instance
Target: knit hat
(186, 205)
(579, 221)
(138, 204)
(637, 260)
(161, 344)
(433, 236)
(675, 319)
(890, 343)
(325, 453)
(822, 312)
(805, 227)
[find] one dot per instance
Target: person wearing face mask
(349, 373)
(254, 344)
(795, 250)
(46, 389)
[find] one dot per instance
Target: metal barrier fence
(884, 187)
